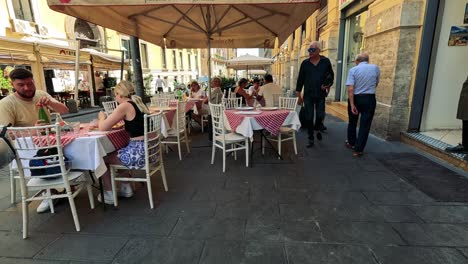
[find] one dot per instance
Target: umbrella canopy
(249, 62)
(195, 23)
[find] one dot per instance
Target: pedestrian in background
(316, 77)
(462, 114)
(362, 82)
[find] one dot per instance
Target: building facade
(421, 47)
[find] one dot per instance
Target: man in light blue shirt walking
(362, 82)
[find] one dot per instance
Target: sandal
(348, 145)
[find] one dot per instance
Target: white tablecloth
(86, 153)
(249, 124)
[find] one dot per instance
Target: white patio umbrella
(249, 62)
(196, 23)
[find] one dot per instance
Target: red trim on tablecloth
(269, 120)
(119, 138)
(234, 119)
(42, 141)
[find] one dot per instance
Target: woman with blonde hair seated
(131, 110)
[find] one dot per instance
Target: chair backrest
(27, 141)
(160, 102)
(152, 139)
(109, 107)
(180, 116)
(289, 103)
(276, 99)
(217, 120)
(233, 102)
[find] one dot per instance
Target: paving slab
(12, 244)
(442, 214)
(305, 253)
(360, 233)
(418, 255)
(448, 235)
(160, 250)
(246, 252)
(209, 228)
(83, 248)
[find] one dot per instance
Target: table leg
(101, 190)
(271, 145)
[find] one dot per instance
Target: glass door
(354, 44)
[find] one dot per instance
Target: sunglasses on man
(312, 50)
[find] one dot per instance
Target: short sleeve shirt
(364, 77)
(18, 112)
(267, 91)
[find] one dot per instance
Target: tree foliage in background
(147, 83)
(227, 83)
(4, 82)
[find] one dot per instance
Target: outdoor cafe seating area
(237, 131)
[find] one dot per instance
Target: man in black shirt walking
(316, 76)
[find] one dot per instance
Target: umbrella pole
(209, 66)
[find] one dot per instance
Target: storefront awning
(15, 52)
(106, 62)
(63, 58)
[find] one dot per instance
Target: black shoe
(311, 144)
(319, 136)
(458, 148)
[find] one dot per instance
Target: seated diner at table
(131, 110)
(197, 93)
(247, 99)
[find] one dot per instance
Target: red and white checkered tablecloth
(269, 120)
(42, 141)
(234, 119)
(170, 115)
(119, 138)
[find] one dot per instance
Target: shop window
(23, 10)
(126, 47)
(144, 55)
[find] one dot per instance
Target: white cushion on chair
(172, 132)
(43, 182)
(285, 130)
(231, 137)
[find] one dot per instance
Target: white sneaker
(44, 205)
(125, 190)
(108, 197)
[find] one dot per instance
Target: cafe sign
(345, 3)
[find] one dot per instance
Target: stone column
(392, 34)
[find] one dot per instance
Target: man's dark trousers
(314, 106)
(365, 104)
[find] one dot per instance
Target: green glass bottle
(43, 115)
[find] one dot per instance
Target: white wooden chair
(160, 102)
(55, 174)
(276, 100)
(285, 133)
(109, 107)
(233, 102)
(153, 158)
(179, 133)
(223, 139)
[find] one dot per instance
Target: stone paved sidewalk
(323, 206)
